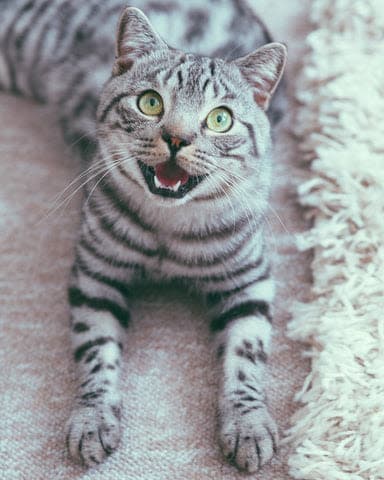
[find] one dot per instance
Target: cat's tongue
(169, 175)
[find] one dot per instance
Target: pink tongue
(169, 174)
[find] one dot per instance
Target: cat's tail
(47, 53)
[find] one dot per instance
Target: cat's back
(217, 28)
(223, 28)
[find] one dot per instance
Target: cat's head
(184, 127)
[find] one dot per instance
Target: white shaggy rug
(169, 380)
(338, 434)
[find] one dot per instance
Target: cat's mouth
(168, 179)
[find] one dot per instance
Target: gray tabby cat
(178, 186)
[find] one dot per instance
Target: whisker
(91, 173)
(68, 198)
(279, 219)
(245, 195)
(110, 168)
(76, 179)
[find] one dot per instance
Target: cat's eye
(150, 103)
(219, 120)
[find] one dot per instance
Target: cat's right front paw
(93, 433)
(248, 438)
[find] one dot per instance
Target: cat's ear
(135, 38)
(263, 69)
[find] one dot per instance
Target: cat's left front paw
(93, 433)
(248, 440)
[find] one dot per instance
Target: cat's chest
(186, 256)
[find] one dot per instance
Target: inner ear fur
(263, 70)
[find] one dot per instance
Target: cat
(179, 171)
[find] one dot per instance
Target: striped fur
(208, 235)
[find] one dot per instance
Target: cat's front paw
(93, 433)
(248, 438)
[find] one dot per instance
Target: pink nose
(175, 142)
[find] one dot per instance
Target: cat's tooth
(157, 182)
(176, 186)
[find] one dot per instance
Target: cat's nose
(174, 142)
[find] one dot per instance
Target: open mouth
(168, 179)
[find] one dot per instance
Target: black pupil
(152, 102)
(219, 119)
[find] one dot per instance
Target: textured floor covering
(340, 124)
(169, 379)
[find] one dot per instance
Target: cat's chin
(176, 189)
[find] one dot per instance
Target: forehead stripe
(168, 76)
(212, 67)
(180, 79)
(172, 70)
(224, 85)
(205, 84)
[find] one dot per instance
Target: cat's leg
(242, 328)
(99, 317)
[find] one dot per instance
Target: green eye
(150, 103)
(219, 120)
